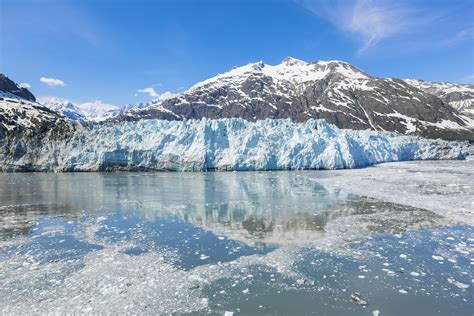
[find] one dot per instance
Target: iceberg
(224, 144)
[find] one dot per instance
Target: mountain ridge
(333, 90)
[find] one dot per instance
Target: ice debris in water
(225, 144)
(459, 284)
(301, 281)
(357, 298)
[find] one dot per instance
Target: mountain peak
(343, 68)
(290, 61)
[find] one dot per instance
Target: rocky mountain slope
(10, 89)
(20, 113)
(24, 123)
(331, 90)
(459, 96)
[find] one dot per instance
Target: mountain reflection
(256, 208)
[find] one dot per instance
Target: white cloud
(52, 81)
(24, 85)
(161, 96)
(150, 91)
(372, 21)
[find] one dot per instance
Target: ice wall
(225, 144)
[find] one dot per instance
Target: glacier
(224, 144)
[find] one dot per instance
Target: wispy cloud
(466, 34)
(52, 81)
(152, 93)
(24, 85)
(52, 20)
(372, 21)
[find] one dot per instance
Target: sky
(123, 51)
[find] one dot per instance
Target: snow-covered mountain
(65, 107)
(95, 111)
(332, 90)
(459, 96)
(225, 144)
(21, 114)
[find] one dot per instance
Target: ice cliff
(226, 144)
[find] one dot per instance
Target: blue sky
(109, 50)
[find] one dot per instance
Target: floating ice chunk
(301, 281)
(227, 313)
(376, 312)
(357, 298)
(389, 272)
(437, 258)
(458, 284)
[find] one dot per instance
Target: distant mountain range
(95, 111)
(332, 90)
(458, 96)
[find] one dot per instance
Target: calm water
(252, 243)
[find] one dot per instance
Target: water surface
(251, 242)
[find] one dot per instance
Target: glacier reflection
(255, 208)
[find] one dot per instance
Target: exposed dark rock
(9, 86)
